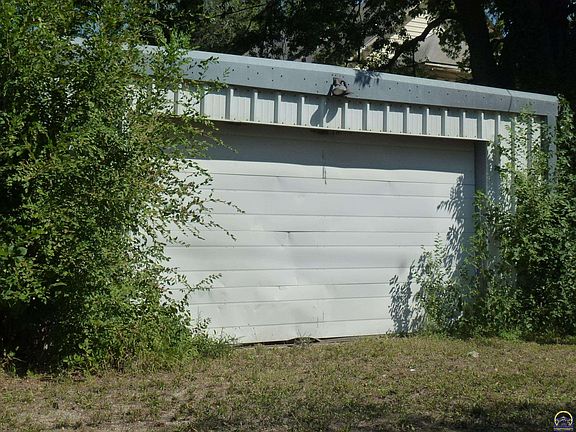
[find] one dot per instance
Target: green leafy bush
(440, 292)
(519, 275)
(89, 150)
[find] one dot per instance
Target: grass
(367, 384)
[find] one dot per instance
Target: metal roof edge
(315, 79)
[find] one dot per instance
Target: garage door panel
(226, 182)
(222, 259)
(318, 204)
(327, 238)
(325, 173)
(250, 294)
(301, 276)
(343, 153)
(283, 223)
(294, 136)
(297, 311)
(318, 329)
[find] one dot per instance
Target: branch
(224, 14)
(413, 43)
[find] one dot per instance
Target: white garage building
(339, 193)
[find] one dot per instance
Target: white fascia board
(315, 79)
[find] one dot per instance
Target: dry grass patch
(368, 384)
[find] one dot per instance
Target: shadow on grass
(497, 417)
(505, 417)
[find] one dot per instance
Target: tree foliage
(89, 148)
(526, 45)
(519, 278)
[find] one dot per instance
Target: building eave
(315, 79)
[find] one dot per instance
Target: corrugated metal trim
(315, 79)
(251, 105)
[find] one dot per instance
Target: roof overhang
(315, 79)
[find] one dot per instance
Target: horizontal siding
(239, 295)
(328, 173)
(416, 26)
(236, 222)
(300, 276)
(319, 204)
(310, 238)
(298, 311)
(284, 184)
(267, 258)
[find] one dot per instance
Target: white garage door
(329, 219)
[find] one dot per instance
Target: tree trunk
(472, 17)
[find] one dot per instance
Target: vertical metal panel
(405, 119)
(170, 101)
(386, 122)
(376, 114)
(312, 111)
(461, 123)
(470, 124)
(333, 113)
(215, 104)
(228, 105)
(365, 110)
(265, 107)
(502, 157)
(277, 103)
(253, 102)
(396, 119)
(435, 121)
(288, 111)
(480, 125)
(321, 113)
(299, 120)
(241, 105)
(415, 120)
(489, 126)
(187, 101)
(538, 134)
(495, 160)
(530, 142)
(354, 115)
(505, 126)
(453, 123)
